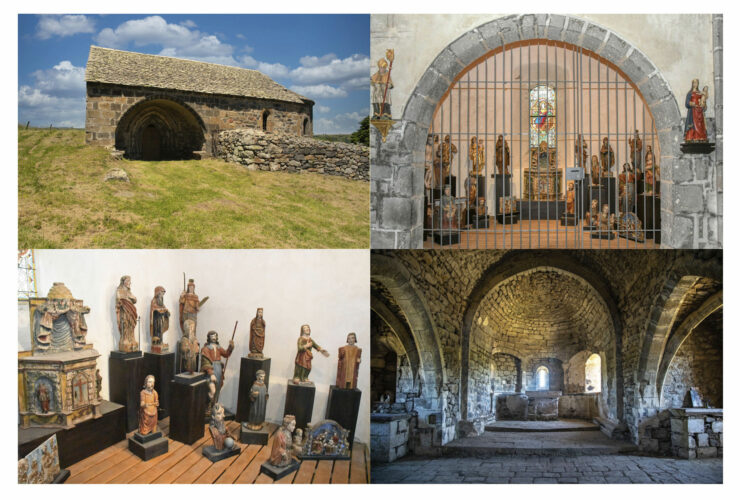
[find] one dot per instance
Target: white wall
(328, 289)
(680, 45)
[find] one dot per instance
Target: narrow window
(543, 378)
(593, 373)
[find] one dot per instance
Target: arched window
(305, 126)
(265, 116)
(542, 378)
(542, 116)
(593, 373)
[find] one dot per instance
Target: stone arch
(160, 128)
(305, 128)
(408, 146)
(397, 279)
(517, 262)
(398, 327)
(685, 329)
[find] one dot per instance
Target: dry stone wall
(258, 150)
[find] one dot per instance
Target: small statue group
(304, 356)
(59, 323)
(444, 156)
(630, 226)
(590, 220)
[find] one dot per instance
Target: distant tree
(362, 134)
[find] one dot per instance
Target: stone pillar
(715, 205)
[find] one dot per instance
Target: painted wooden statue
(190, 305)
(695, 128)
(636, 150)
(282, 444)
(304, 356)
(607, 155)
(159, 320)
(581, 150)
(222, 440)
(381, 85)
(126, 316)
(189, 348)
(257, 336)
(212, 364)
(595, 170)
(348, 363)
(570, 202)
(148, 405)
(503, 156)
(258, 397)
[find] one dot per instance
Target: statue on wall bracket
(695, 127)
(381, 84)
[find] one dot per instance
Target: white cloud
(189, 23)
(321, 109)
(63, 80)
(273, 70)
(330, 69)
(53, 25)
(343, 123)
(42, 109)
(319, 91)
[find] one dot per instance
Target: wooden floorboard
(185, 464)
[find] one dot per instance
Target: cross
(78, 386)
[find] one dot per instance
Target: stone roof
(144, 70)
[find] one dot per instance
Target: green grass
(63, 202)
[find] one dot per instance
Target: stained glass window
(542, 116)
(26, 274)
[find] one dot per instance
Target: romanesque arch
(406, 144)
(396, 278)
(518, 263)
(402, 333)
(159, 128)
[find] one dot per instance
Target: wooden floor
(536, 234)
(185, 464)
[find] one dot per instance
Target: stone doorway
(150, 144)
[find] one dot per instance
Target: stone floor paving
(549, 470)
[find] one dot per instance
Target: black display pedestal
(501, 187)
(343, 407)
(541, 209)
(510, 218)
(452, 182)
(568, 220)
(602, 235)
(276, 473)
(247, 371)
(148, 446)
(582, 201)
(162, 366)
(61, 477)
(248, 436)
(189, 394)
(126, 376)
(695, 148)
(299, 402)
(648, 211)
(214, 455)
(82, 440)
(446, 236)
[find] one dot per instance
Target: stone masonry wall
(106, 105)
(507, 373)
(258, 150)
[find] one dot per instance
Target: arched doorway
(395, 227)
(160, 129)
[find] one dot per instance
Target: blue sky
(322, 57)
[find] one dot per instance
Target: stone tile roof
(144, 70)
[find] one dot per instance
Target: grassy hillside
(63, 202)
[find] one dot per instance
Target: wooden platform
(185, 464)
(536, 234)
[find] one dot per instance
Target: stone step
(504, 427)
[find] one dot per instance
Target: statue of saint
(381, 85)
(126, 316)
(148, 404)
(212, 365)
(258, 396)
(304, 356)
(543, 157)
(189, 348)
(591, 217)
(581, 150)
(257, 336)
(42, 393)
(59, 323)
(189, 305)
(445, 154)
(348, 363)
(503, 156)
(636, 150)
(159, 318)
(430, 179)
(607, 155)
(217, 427)
(570, 199)
(695, 129)
(282, 443)
(449, 210)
